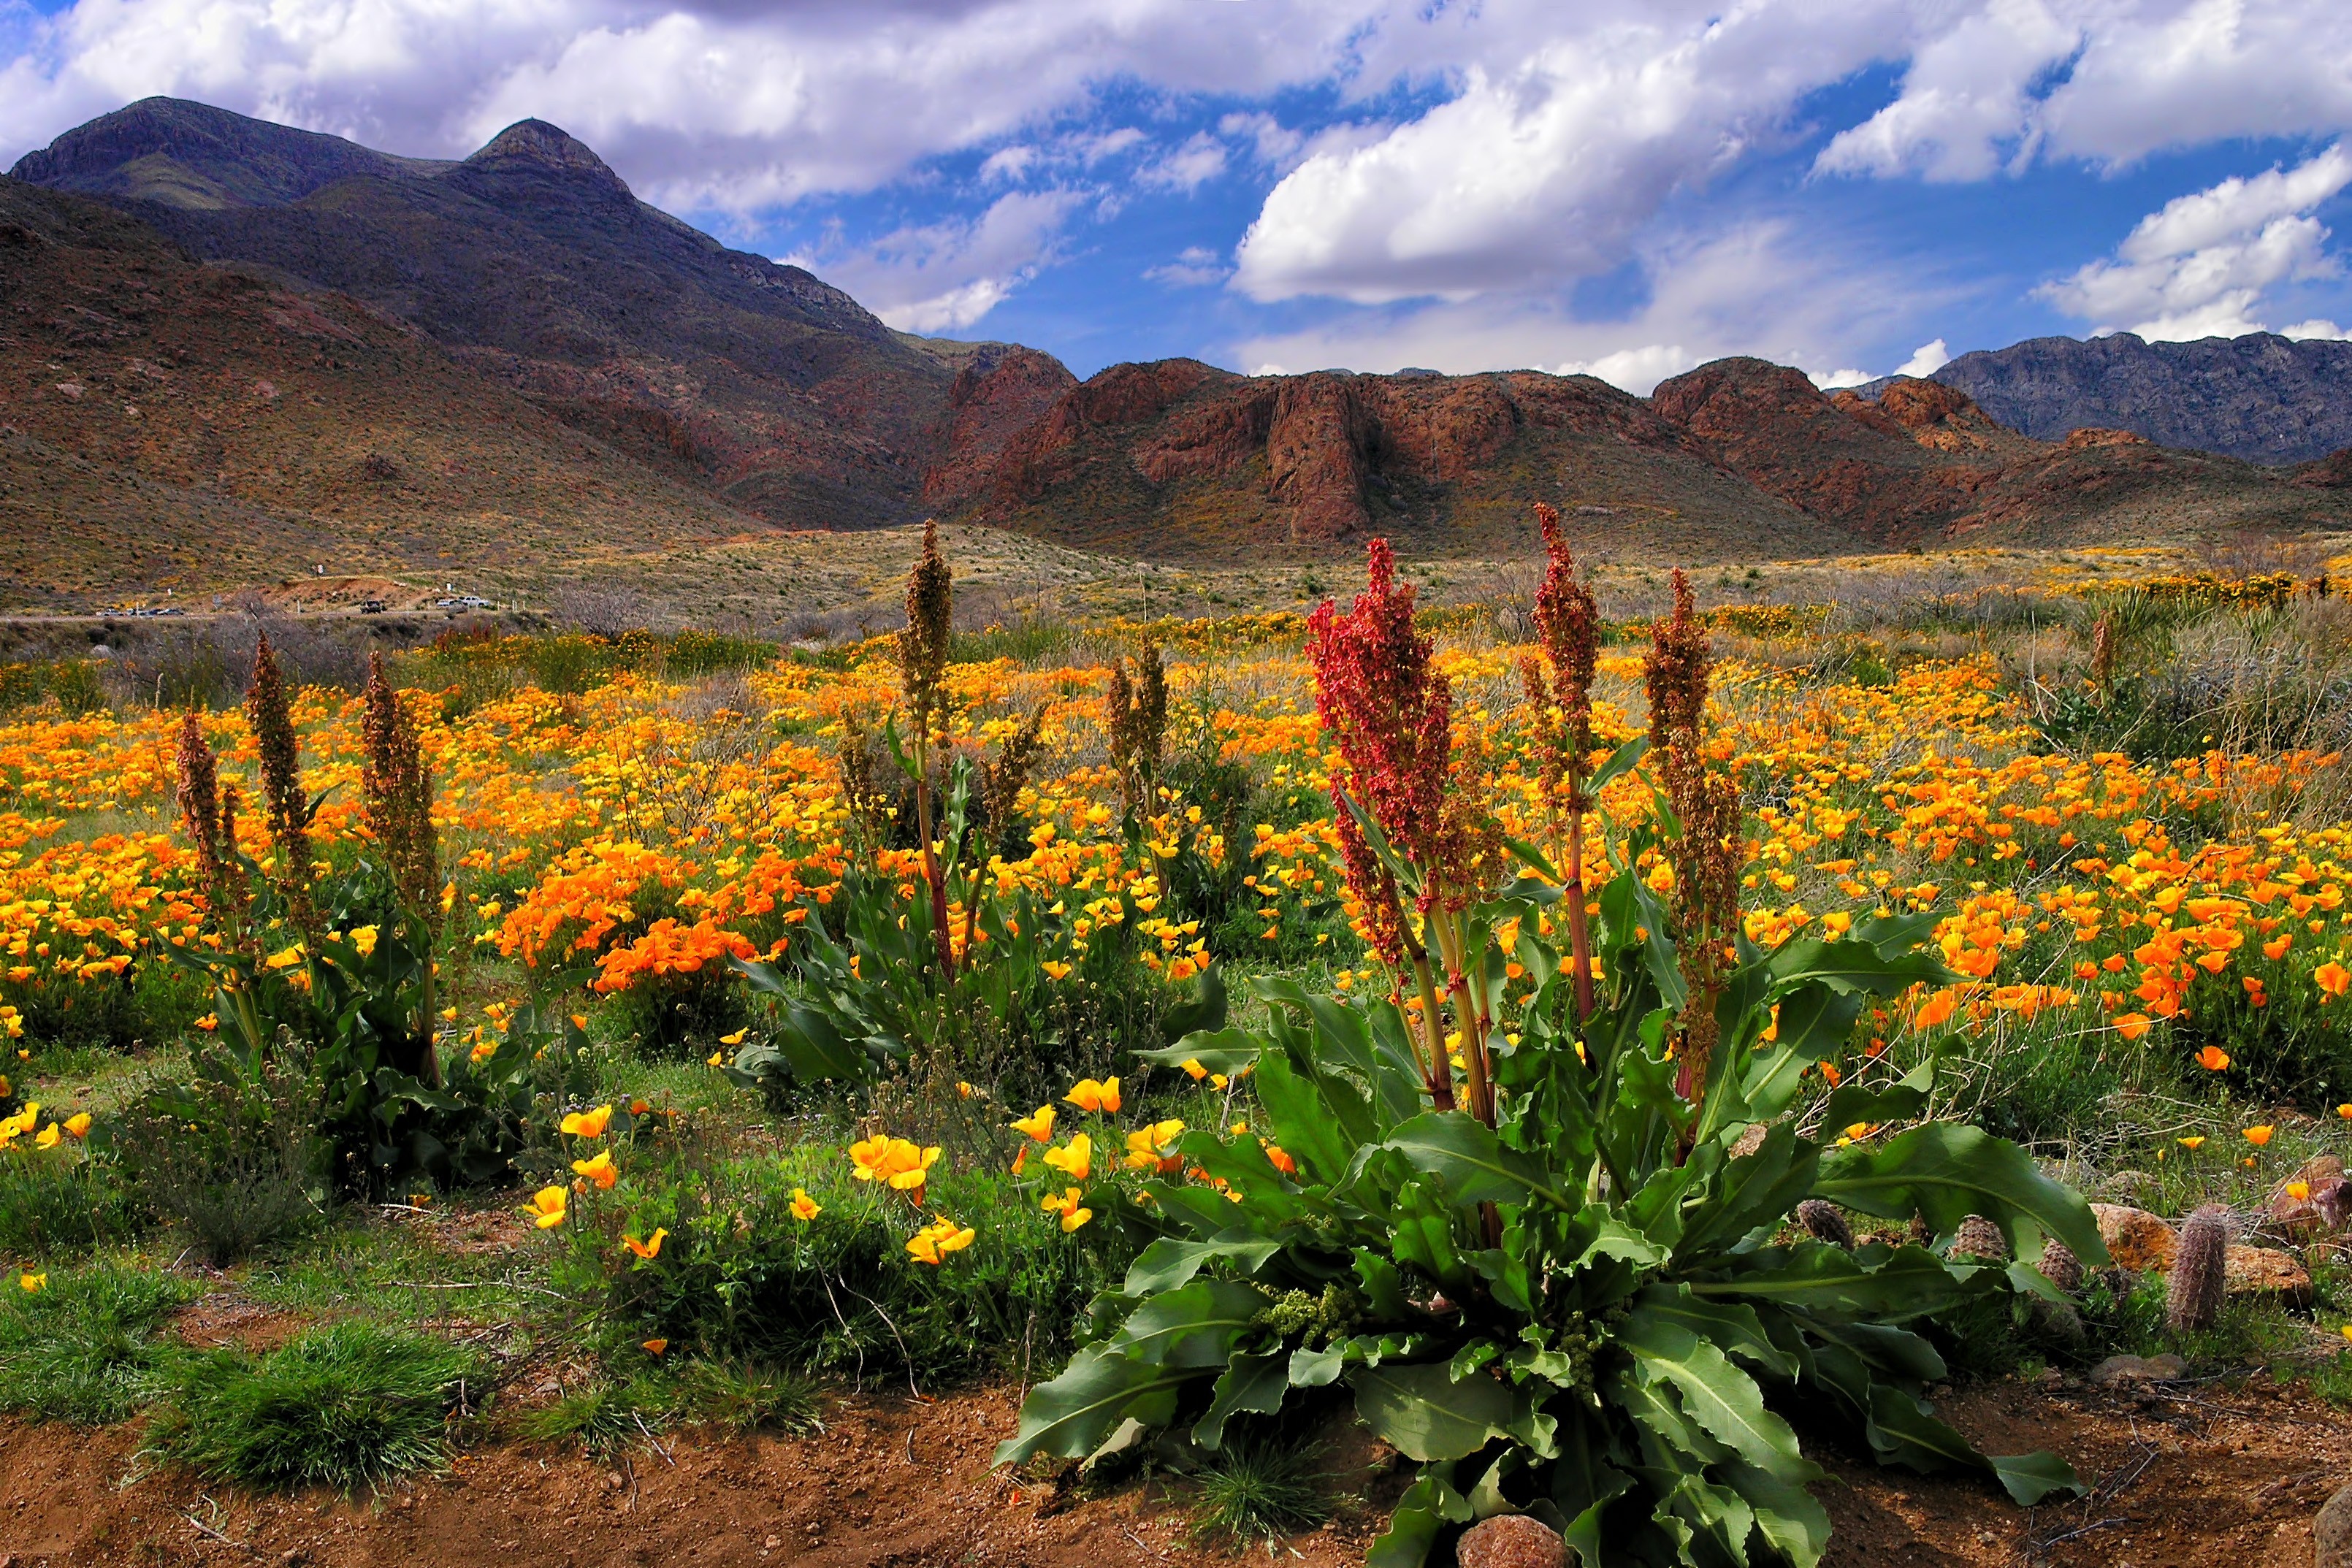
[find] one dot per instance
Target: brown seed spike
(1979, 1238)
(2193, 1300)
(1826, 1224)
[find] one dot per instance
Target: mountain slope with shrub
(170, 423)
(533, 261)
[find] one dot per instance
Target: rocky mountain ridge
(1739, 458)
(2262, 397)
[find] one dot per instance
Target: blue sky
(1285, 184)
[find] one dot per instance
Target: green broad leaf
(1070, 1417)
(1948, 1171)
(1383, 1285)
(1852, 966)
(1534, 860)
(1897, 1102)
(1732, 1327)
(816, 1050)
(1621, 762)
(1321, 1125)
(1225, 1050)
(1717, 1395)
(1424, 1414)
(1885, 1350)
(1672, 1440)
(1787, 1516)
(1905, 1431)
(1617, 1239)
(1202, 1012)
(1421, 1235)
(1194, 1325)
(1709, 1509)
(1753, 1191)
(1317, 1368)
(1425, 1509)
(1870, 1281)
(1815, 1020)
(1474, 1165)
(1170, 1261)
(1254, 1382)
(2029, 1478)
(1583, 1485)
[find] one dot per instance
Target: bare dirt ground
(2192, 1473)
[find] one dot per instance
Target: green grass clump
(1256, 1491)
(83, 1347)
(748, 1397)
(348, 1405)
(603, 1417)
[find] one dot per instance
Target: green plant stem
(931, 873)
(1579, 936)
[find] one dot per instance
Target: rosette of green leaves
(1567, 1314)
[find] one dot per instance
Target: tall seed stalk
(1705, 850)
(396, 802)
(922, 670)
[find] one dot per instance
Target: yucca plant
(1548, 1250)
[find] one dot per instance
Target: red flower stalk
(1391, 717)
(1707, 850)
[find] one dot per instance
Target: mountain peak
(536, 143)
(181, 154)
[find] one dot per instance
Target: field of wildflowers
(828, 1008)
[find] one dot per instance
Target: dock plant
(1544, 1240)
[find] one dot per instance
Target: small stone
(2331, 1533)
(2118, 1369)
(2135, 1239)
(2264, 1271)
(612, 1479)
(1511, 1540)
(772, 1543)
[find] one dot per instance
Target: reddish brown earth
(2191, 1474)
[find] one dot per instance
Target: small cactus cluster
(2193, 1298)
(2061, 1267)
(1979, 1238)
(1825, 1223)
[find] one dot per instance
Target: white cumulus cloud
(940, 277)
(2199, 267)
(1927, 360)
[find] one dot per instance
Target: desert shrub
(569, 663)
(678, 1016)
(84, 1348)
(147, 1003)
(228, 1153)
(691, 654)
(740, 1274)
(346, 1406)
(74, 684)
